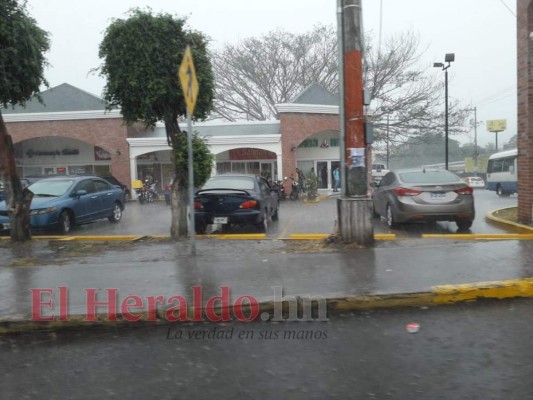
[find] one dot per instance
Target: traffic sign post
(189, 85)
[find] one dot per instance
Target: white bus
(501, 173)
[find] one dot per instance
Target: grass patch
(508, 214)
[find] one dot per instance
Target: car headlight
(42, 211)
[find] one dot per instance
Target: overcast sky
(481, 33)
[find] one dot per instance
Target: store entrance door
(322, 169)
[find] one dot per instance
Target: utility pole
(354, 206)
(475, 140)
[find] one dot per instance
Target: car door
(85, 205)
(106, 194)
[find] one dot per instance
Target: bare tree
(253, 76)
(409, 95)
(258, 73)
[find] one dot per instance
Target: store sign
(53, 153)
(101, 154)
(77, 170)
(251, 154)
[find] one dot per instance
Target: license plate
(6, 226)
(438, 195)
(220, 220)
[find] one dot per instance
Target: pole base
(355, 220)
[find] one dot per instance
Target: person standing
(301, 179)
(337, 179)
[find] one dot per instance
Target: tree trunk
(178, 229)
(17, 200)
(179, 202)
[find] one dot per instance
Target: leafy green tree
(22, 63)
(142, 55)
(311, 186)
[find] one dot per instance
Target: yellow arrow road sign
(189, 83)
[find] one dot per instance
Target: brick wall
(525, 117)
(109, 134)
(295, 128)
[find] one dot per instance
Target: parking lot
(295, 217)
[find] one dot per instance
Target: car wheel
(463, 224)
(117, 213)
(65, 222)
(501, 193)
(391, 222)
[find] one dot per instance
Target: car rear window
(241, 183)
(429, 177)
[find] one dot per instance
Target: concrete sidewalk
(397, 273)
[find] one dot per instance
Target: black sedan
(235, 200)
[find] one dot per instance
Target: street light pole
(449, 58)
(388, 138)
(446, 115)
(475, 140)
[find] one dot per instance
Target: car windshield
(429, 177)
(56, 187)
(230, 182)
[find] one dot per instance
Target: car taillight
(400, 191)
(198, 205)
(249, 204)
(466, 190)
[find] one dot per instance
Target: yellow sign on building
(189, 83)
(497, 125)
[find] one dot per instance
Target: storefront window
(238, 167)
(223, 167)
(253, 168)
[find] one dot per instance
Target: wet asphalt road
(308, 268)
(295, 217)
(468, 351)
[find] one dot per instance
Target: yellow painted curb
(385, 236)
(109, 237)
(242, 236)
(493, 290)
(353, 303)
(475, 236)
(308, 236)
(491, 217)
(438, 295)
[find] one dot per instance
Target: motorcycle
(279, 185)
(147, 193)
(295, 190)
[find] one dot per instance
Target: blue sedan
(59, 203)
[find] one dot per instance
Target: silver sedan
(423, 195)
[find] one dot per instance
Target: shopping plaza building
(72, 133)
